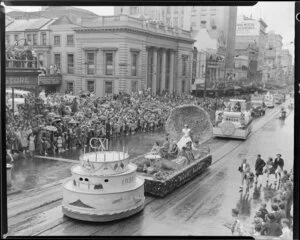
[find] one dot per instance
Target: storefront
(51, 83)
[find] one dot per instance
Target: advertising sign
(247, 28)
(50, 80)
(21, 81)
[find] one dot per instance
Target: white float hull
(238, 133)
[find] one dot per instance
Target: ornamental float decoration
(96, 193)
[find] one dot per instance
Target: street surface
(200, 207)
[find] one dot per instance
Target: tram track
(270, 117)
(39, 229)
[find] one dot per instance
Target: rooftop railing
(124, 20)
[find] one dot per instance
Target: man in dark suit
(278, 166)
(259, 166)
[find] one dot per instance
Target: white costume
(186, 138)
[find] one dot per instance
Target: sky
(279, 17)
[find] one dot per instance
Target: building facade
(252, 31)
(278, 61)
(54, 44)
(250, 52)
(219, 21)
(125, 54)
(174, 16)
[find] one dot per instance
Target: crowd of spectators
(56, 123)
(274, 217)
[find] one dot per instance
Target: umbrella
(51, 128)
(73, 121)
(57, 120)
(38, 116)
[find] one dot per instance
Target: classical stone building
(125, 54)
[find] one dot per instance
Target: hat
(271, 216)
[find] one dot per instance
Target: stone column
(171, 75)
(154, 71)
(163, 71)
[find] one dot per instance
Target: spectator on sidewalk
(271, 228)
(259, 166)
(287, 234)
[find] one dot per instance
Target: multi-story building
(250, 52)
(253, 31)
(209, 67)
(219, 21)
(125, 54)
(287, 66)
(54, 44)
(174, 16)
(275, 69)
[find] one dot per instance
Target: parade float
(163, 170)
(258, 107)
(233, 122)
(103, 187)
(269, 100)
(278, 98)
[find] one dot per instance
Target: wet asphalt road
(200, 207)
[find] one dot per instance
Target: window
(70, 87)
(56, 40)
(16, 37)
(34, 39)
(41, 59)
(91, 86)
(184, 65)
(28, 38)
(134, 86)
(57, 61)
(109, 63)
(70, 40)
(108, 88)
(134, 61)
(183, 86)
(90, 63)
(70, 59)
(44, 39)
(7, 39)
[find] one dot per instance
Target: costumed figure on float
(234, 121)
(182, 156)
(185, 138)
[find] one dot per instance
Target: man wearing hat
(271, 228)
(278, 166)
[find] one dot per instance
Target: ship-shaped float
(103, 187)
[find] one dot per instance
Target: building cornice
(133, 29)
